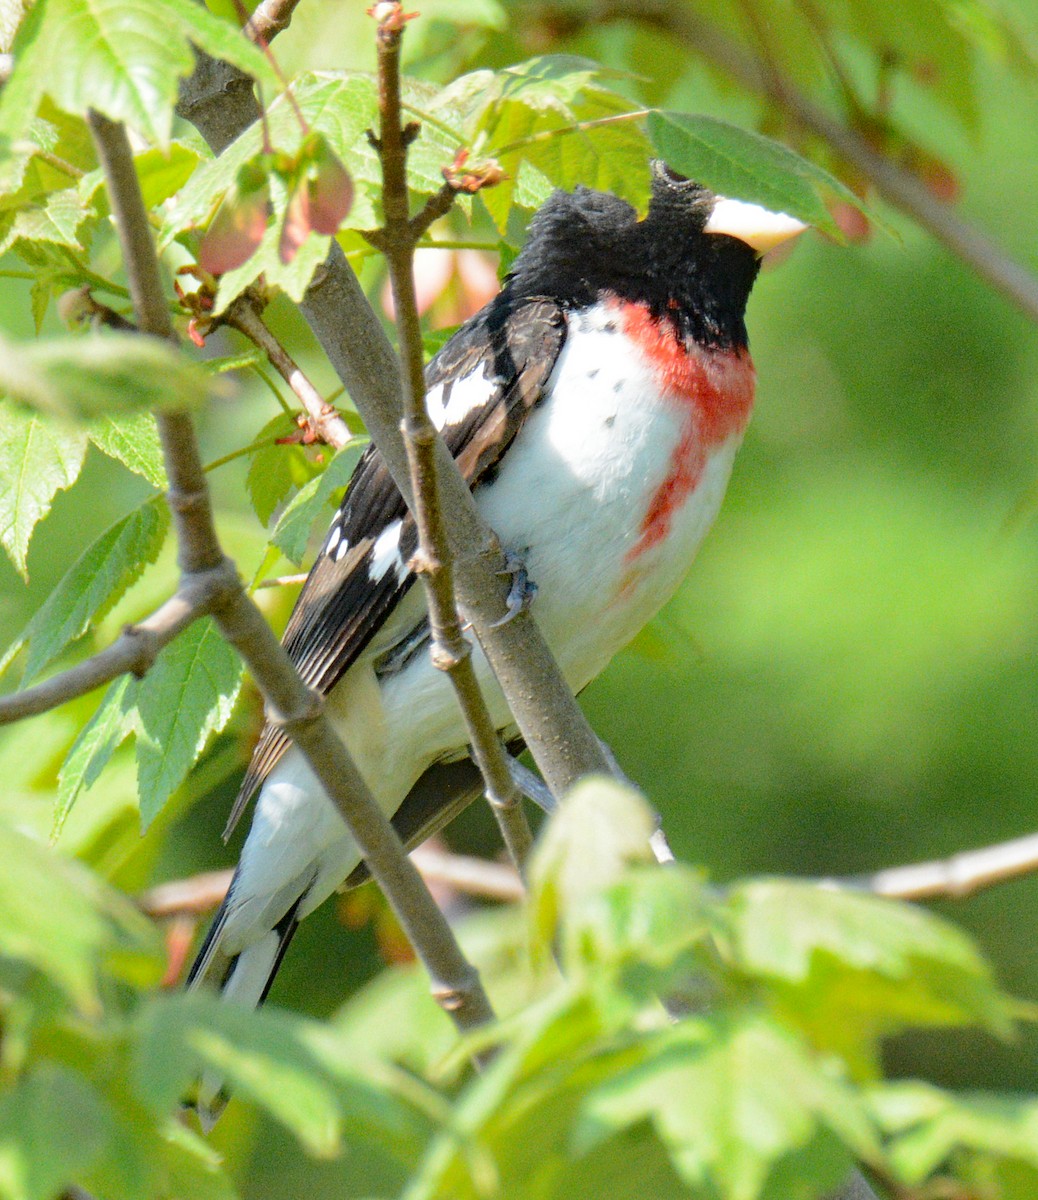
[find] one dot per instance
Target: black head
(693, 259)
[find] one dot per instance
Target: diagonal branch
(291, 704)
(451, 650)
(335, 307)
(245, 316)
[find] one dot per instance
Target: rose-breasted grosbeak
(595, 406)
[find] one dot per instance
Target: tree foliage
(772, 1084)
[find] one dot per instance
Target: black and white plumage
(595, 406)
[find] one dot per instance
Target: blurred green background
(848, 679)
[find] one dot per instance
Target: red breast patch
(715, 390)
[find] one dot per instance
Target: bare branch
(201, 894)
(957, 877)
(455, 982)
(196, 896)
(244, 315)
(268, 19)
(451, 650)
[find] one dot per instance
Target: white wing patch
(463, 396)
(386, 553)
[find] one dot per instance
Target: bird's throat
(714, 390)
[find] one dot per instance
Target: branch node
(303, 718)
(448, 657)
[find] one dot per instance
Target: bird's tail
(242, 978)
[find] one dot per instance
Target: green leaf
(37, 459)
(599, 829)
(743, 1108)
(293, 528)
(96, 375)
(58, 919)
(274, 470)
(103, 734)
(187, 695)
(534, 119)
(53, 1127)
(95, 582)
(55, 217)
(123, 58)
(133, 440)
(849, 967)
(643, 928)
(193, 1168)
(295, 1070)
(746, 166)
(162, 173)
(932, 1128)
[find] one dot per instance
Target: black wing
(357, 581)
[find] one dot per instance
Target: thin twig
(268, 19)
(451, 650)
(292, 706)
(956, 877)
(244, 315)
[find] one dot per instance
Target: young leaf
(746, 166)
(743, 1108)
(95, 582)
(97, 375)
(98, 740)
(37, 459)
(123, 58)
(930, 1128)
(849, 968)
(293, 528)
(133, 440)
(188, 695)
(599, 829)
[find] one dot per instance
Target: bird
(595, 407)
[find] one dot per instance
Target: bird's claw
(522, 590)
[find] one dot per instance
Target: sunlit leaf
(187, 696)
(124, 58)
(38, 457)
(745, 166)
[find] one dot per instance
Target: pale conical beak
(751, 223)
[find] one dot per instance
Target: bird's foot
(532, 786)
(522, 589)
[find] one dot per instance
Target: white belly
(571, 499)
